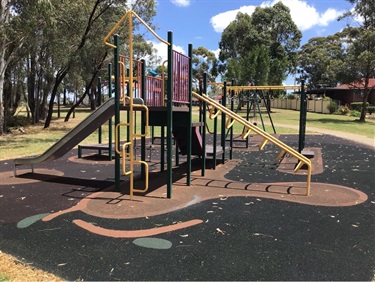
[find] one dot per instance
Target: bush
(332, 107)
(290, 97)
(357, 106)
(354, 113)
(371, 109)
(343, 110)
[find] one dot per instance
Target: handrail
(264, 87)
(105, 40)
(267, 137)
(131, 171)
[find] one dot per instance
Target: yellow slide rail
(127, 150)
(233, 117)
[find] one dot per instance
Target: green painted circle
(153, 243)
(26, 222)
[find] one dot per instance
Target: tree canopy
(347, 57)
(261, 48)
(52, 45)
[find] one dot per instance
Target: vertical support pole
(188, 173)
(128, 112)
(99, 103)
(204, 120)
(247, 115)
(143, 121)
(117, 109)
(215, 141)
(169, 114)
(259, 111)
(231, 128)
(223, 119)
(162, 148)
(302, 118)
(131, 126)
(110, 120)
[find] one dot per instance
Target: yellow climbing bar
(267, 137)
(246, 133)
(264, 87)
(129, 14)
(213, 115)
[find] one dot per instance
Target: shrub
(290, 97)
(332, 107)
(326, 98)
(371, 109)
(343, 110)
(357, 106)
(354, 113)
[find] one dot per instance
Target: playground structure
(167, 106)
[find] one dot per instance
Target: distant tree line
(51, 47)
(48, 46)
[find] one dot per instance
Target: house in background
(346, 94)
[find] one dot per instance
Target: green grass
(36, 139)
(4, 277)
(290, 118)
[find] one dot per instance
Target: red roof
(371, 84)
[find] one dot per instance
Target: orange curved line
(134, 233)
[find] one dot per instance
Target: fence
(316, 106)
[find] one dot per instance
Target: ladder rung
(229, 123)
(281, 155)
(246, 133)
(298, 166)
(264, 142)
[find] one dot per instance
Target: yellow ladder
(232, 117)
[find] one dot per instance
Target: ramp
(73, 137)
(249, 127)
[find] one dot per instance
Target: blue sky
(201, 22)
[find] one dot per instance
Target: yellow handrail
(131, 13)
(267, 137)
(131, 171)
(264, 87)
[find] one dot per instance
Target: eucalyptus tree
(20, 23)
(319, 58)
(204, 61)
(260, 48)
(78, 24)
(359, 62)
(4, 17)
(93, 56)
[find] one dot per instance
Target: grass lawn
(35, 139)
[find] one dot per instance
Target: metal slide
(73, 137)
(232, 117)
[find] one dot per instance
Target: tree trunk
(365, 99)
(31, 87)
(92, 97)
(72, 109)
(2, 123)
(64, 98)
(4, 12)
(59, 77)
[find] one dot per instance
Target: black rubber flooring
(242, 238)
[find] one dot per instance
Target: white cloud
(216, 52)
(162, 49)
(222, 20)
(304, 15)
(181, 3)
